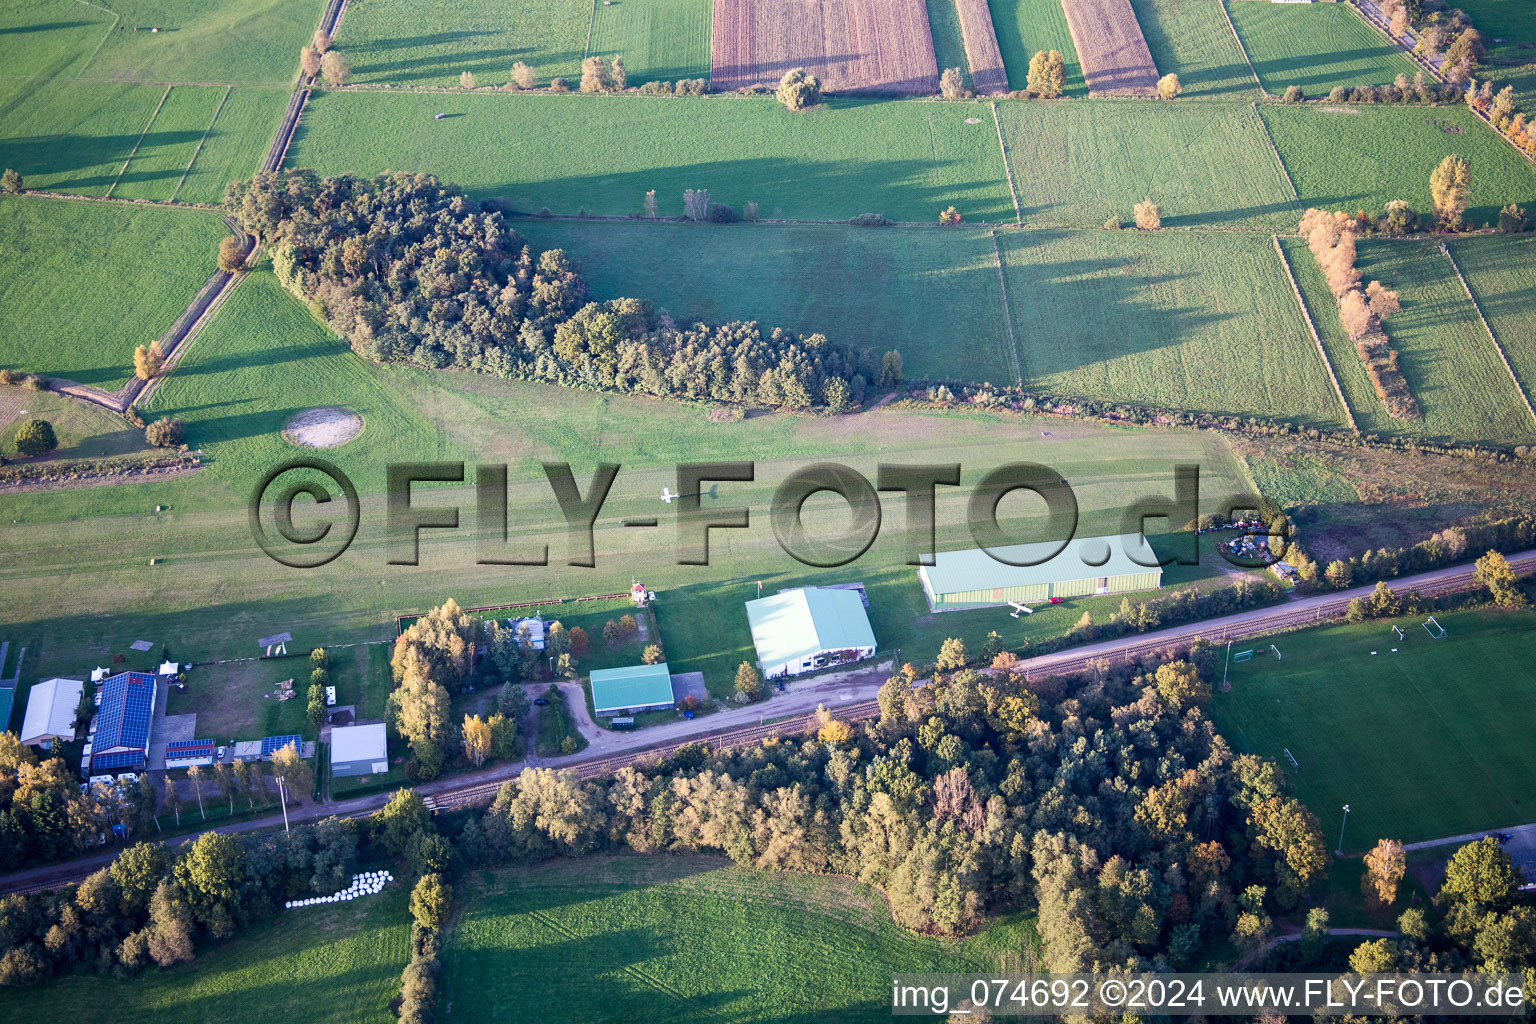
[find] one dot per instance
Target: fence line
(1002, 282)
(1316, 338)
(1018, 214)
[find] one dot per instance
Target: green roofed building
(1087, 565)
(624, 691)
(810, 628)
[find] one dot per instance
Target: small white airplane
(1020, 608)
(668, 497)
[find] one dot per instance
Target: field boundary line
(1002, 282)
(592, 23)
(1264, 125)
(1316, 338)
(105, 36)
(227, 90)
(1018, 214)
(1243, 50)
(139, 141)
(1519, 388)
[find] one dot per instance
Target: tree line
(410, 270)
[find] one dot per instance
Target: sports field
(336, 962)
(1025, 27)
(932, 295)
(1191, 39)
(906, 160)
(690, 939)
(430, 42)
(1430, 740)
(1077, 164)
(1315, 46)
(81, 284)
(1452, 368)
(659, 40)
(1363, 157)
(1502, 276)
(1174, 320)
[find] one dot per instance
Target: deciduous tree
(1449, 186)
(334, 68)
(1047, 74)
(35, 437)
(1385, 866)
(798, 89)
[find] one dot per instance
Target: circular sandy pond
(328, 427)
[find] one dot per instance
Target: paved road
(851, 694)
(1521, 846)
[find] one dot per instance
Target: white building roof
(51, 709)
(358, 743)
(797, 624)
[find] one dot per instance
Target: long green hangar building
(1086, 566)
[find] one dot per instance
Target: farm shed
(807, 629)
(123, 723)
(623, 691)
(1087, 565)
(51, 712)
(359, 750)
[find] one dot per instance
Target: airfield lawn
(1171, 320)
(659, 40)
(1315, 46)
(1369, 156)
(230, 42)
(1078, 164)
(689, 939)
(430, 42)
(1502, 275)
(907, 160)
(932, 295)
(1191, 39)
(1430, 741)
(1025, 27)
(330, 963)
(1451, 366)
(140, 267)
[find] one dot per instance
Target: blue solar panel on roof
(127, 706)
(272, 744)
(186, 747)
(121, 759)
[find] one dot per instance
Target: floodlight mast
(1340, 851)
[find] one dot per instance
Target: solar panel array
(120, 761)
(188, 748)
(127, 706)
(272, 744)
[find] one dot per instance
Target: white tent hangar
(51, 712)
(807, 629)
(359, 750)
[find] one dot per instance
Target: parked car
(221, 752)
(1503, 837)
(541, 702)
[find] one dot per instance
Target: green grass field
(907, 160)
(157, 167)
(1174, 320)
(1315, 46)
(948, 40)
(689, 939)
(1025, 27)
(83, 430)
(1076, 164)
(1502, 276)
(235, 144)
(1508, 28)
(1369, 156)
(933, 295)
(334, 962)
(1432, 740)
(140, 266)
(661, 40)
(1462, 388)
(430, 42)
(1190, 38)
(76, 137)
(230, 42)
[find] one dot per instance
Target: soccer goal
(1399, 633)
(1292, 758)
(1434, 629)
(1242, 656)
(1275, 651)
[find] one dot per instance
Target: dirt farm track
(875, 46)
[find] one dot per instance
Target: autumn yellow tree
(1385, 866)
(477, 739)
(1448, 188)
(147, 361)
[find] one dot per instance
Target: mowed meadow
(906, 160)
(82, 284)
(1315, 46)
(1183, 320)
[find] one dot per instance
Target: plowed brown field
(879, 46)
(1113, 52)
(981, 50)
